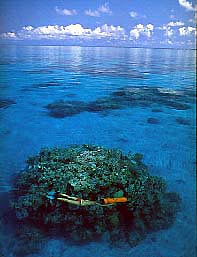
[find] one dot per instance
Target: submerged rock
(93, 173)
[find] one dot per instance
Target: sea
(159, 122)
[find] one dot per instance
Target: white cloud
(94, 13)
(169, 32)
(169, 27)
(133, 14)
(171, 35)
(54, 31)
(186, 31)
(65, 12)
(175, 24)
(28, 28)
(186, 4)
(8, 35)
(140, 29)
(103, 9)
(150, 27)
(174, 29)
(109, 31)
(65, 32)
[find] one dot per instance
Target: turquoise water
(160, 123)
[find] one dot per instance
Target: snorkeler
(81, 202)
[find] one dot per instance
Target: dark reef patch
(122, 140)
(71, 95)
(156, 110)
(102, 104)
(5, 102)
(147, 96)
(61, 109)
(182, 121)
(45, 191)
(153, 121)
(141, 96)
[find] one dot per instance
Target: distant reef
(85, 190)
(133, 96)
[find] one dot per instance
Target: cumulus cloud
(170, 28)
(141, 29)
(186, 31)
(133, 14)
(8, 35)
(28, 28)
(65, 32)
(169, 32)
(103, 9)
(171, 24)
(173, 29)
(175, 23)
(186, 4)
(65, 12)
(109, 31)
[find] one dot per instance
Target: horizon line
(142, 47)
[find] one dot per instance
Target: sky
(127, 23)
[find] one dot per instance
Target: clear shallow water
(34, 76)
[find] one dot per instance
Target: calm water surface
(34, 76)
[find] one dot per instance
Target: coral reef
(28, 240)
(93, 173)
(61, 109)
(138, 96)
